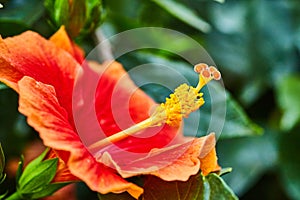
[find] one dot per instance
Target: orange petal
(39, 103)
(177, 162)
(209, 163)
(29, 54)
(63, 41)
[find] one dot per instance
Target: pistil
(185, 100)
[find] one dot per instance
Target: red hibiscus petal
(63, 41)
(29, 54)
(119, 105)
(39, 103)
(177, 162)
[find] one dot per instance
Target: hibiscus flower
(45, 74)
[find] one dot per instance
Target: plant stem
(14, 196)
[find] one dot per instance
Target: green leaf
(249, 158)
(290, 163)
(94, 12)
(218, 189)
(35, 181)
(237, 122)
(79, 17)
(184, 14)
(211, 187)
(48, 190)
(31, 167)
(288, 97)
(37, 174)
(224, 171)
(60, 11)
(15, 196)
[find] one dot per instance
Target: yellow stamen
(181, 103)
(185, 100)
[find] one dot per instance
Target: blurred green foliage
(256, 46)
(288, 100)
(80, 17)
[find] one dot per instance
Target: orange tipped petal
(29, 54)
(63, 41)
(189, 162)
(177, 162)
(209, 163)
(39, 103)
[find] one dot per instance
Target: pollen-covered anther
(200, 67)
(215, 73)
(180, 104)
(206, 74)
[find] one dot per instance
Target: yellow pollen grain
(181, 103)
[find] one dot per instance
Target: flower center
(185, 100)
